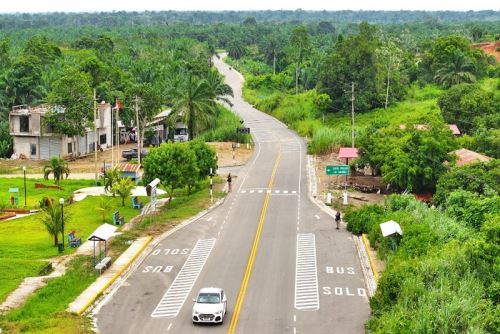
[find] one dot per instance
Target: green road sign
(337, 170)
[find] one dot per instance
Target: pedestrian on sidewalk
(229, 179)
(337, 219)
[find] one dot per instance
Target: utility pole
(117, 138)
(112, 146)
(136, 100)
(352, 112)
(95, 135)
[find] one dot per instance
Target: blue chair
(73, 241)
(117, 219)
(136, 204)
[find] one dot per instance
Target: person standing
(337, 219)
(229, 180)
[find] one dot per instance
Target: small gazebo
(102, 234)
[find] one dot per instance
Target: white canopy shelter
(390, 228)
(102, 233)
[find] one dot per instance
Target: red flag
(118, 105)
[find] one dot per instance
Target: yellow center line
(253, 252)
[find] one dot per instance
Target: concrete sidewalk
(88, 296)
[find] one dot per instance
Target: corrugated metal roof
(466, 157)
(125, 167)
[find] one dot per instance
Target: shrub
(326, 139)
(361, 220)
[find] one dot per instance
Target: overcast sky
(12, 6)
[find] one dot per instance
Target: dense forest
(408, 75)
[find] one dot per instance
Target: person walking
(337, 219)
(229, 180)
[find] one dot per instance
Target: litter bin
(60, 247)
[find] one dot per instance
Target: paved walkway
(88, 296)
(71, 176)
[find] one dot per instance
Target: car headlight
(218, 312)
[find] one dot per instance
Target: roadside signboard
(337, 170)
(242, 130)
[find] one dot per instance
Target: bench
(136, 204)
(117, 219)
(73, 241)
(105, 262)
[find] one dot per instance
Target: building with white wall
(35, 140)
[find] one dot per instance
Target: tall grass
(225, 128)
(326, 139)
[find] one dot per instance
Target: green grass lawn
(33, 195)
(44, 311)
(25, 244)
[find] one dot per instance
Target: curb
(94, 298)
(370, 258)
(364, 255)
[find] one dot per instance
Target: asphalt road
(282, 264)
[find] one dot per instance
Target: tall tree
(299, 47)
(72, 99)
(194, 104)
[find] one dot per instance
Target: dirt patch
(490, 48)
(86, 164)
(225, 153)
(335, 184)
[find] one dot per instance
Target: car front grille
(206, 317)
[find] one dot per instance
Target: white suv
(209, 306)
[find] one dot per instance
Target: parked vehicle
(132, 154)
(181, 132)
(209, 306)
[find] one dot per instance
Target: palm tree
(220, 90)
(459, 70)
(123, 188)
(56, 166)
(52, 219)
(195, 105)
(111, 176)
(104, 207)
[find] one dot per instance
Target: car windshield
(208, 298)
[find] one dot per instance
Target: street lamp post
(24, 172)
(61, 201)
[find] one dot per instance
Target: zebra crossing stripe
(172, 301)
(306, 274)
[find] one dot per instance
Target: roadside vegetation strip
(253, 252)
(115, 276)
(370, 257)
(172, 301)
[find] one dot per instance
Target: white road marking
(252, 191)
(243, 191)
(268, 191)
(277, 191)
(260, 191)
(209, 219)
(169, 326)
(306, 274)
(172, 301)
(294, 192)
(285, 191)
(316, 216)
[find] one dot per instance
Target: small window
(70, 148)
(24, 124)
(102, 139)
(33, 149)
